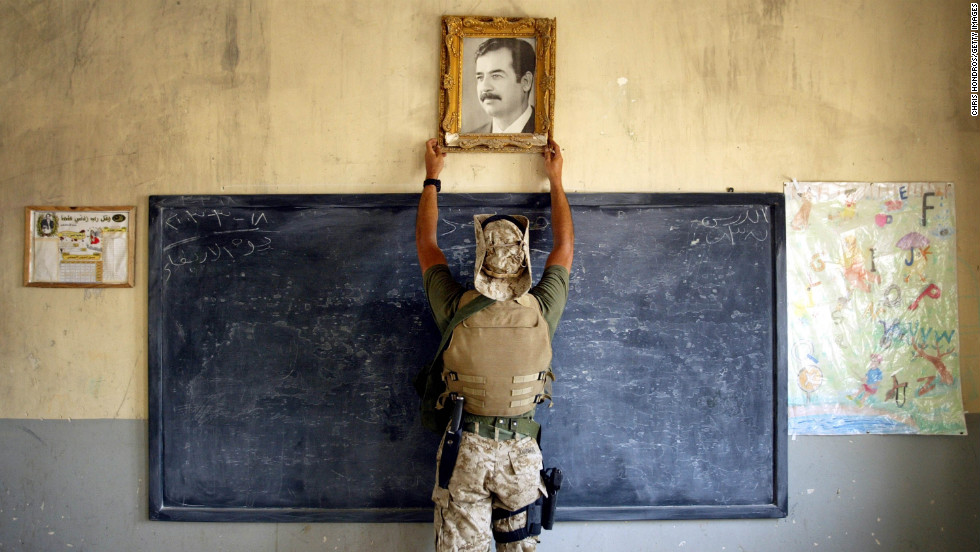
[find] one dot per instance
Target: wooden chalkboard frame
(164, 509)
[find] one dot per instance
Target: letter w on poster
(872, 309)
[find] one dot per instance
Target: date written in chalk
(974, 59)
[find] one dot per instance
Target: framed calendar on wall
(79, 246)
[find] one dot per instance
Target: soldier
(498, 361)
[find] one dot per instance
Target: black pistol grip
(458, 403)
(556, 479)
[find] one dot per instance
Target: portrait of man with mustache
(504, 79)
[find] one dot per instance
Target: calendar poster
(79, 246)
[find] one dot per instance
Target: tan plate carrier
(499, 359)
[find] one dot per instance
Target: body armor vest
(499, 359)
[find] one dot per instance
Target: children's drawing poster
(79, 246)
(872, 309)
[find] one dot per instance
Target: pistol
(552, 482)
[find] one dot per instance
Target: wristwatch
(433, 182)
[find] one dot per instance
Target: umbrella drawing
(912, 241)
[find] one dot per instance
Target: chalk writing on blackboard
(219, 235)
(752, 224)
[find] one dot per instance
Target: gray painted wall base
(81, 486)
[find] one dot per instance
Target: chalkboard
(285, 330)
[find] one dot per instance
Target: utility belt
(502, 428)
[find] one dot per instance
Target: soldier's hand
(435, 158)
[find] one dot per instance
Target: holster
(540, 513)
(552, 482)
(450, 443)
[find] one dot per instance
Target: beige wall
(107, 103)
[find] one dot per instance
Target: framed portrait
(79, 246)
(498, 84)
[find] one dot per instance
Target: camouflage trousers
(489, 474)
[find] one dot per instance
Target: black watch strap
(433, 182)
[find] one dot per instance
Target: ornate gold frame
(454, 30)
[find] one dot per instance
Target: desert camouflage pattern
(511, 264)
(489, 474)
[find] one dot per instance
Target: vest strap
(524, 402)
(530, 377)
